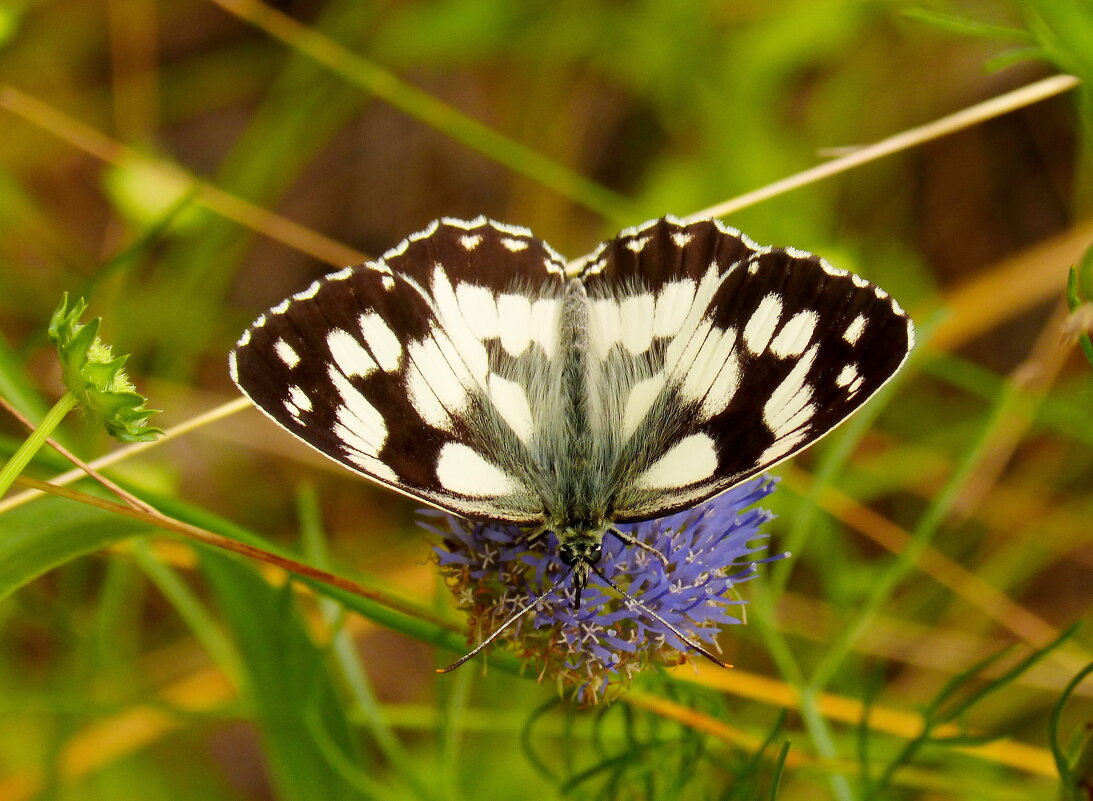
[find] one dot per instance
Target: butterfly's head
(580, 548)
(584, 550)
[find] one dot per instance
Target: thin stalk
(21, 458)
(923, 533)
(807, 698)
(301, 569)
(432, 112)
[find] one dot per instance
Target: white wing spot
(673, 303)
(299, 398)
(372, 466)
(681, 238)
(382, 341)
(364, 428)
(470, 241)
(781, 447)
(854, 331)
(545, 324)
(286, 353)
(605, 322)
(341, 275)
(308, 293)
(462, 349)
(479, 309)
(465, 471)
(350, 356)
(795, 335)
(514, 320)
(689, 461)
(693, 329)
(789, 407)
(388, 282)
(281, 307)
(637, 314)
(846, 376)
(638, 244)
(760, 327)
(511, 402)
(723, 388)
(424, 400)
(642, 396)
(514, 245)
(700, 370)
(442, 369)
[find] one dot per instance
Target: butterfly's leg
(630, 540)
(536, 533)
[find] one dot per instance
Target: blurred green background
(185, 165)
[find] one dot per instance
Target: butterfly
(476, 370)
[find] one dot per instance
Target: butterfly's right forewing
(407, 369)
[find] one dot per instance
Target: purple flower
(494, 572)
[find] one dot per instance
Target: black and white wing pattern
(716, 359)
(397, 368)
(472, 369)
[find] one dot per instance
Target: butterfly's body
(472, 369)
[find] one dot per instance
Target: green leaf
(1081, 768)
(295, 702)
(967, 27)
(1079, 299)
(42, 535)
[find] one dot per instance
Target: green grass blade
(287, 682)
(41, 536)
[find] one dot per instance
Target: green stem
(36, 440)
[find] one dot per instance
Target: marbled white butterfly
(475, 370)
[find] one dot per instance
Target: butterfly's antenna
(629, 539)
(497, 631)
(689, 641)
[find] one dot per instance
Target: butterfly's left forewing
(715, 359)
(411, 369)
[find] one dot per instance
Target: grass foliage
(184, 165)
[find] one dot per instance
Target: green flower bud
(95, 376)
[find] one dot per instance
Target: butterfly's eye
(594, 555)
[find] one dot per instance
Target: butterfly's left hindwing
(715, 359)
(404, 369)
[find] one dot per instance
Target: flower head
(495, 571)
(95, 376)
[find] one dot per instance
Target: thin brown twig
(157, 519)
(1033, 378)
(943, 126)
(121, 492)
(993, 602)
(185, 427)
(84, 137)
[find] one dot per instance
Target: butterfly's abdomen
(581, 472)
